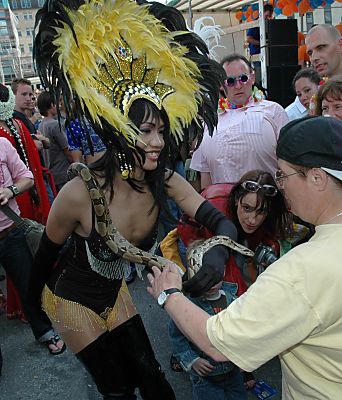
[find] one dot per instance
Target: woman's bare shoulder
(74, 193)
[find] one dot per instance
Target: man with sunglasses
(247, 131)
(294, 309)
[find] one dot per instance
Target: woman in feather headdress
(141, 79)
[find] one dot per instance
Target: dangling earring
(125, 167)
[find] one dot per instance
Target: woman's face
(305, 89)
(332, 107)
(250, 217)
(151, 141)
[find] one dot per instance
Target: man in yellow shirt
(294, 309)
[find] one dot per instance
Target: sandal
(53, 341)
(175, 365)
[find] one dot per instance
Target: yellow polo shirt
(293, 310)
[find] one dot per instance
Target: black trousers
(122, 360)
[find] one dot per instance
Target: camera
(263, 257)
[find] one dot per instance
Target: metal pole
(262, 44)
(190, 16)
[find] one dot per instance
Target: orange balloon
(238, 15)
(302, 54)
(270, 2)
(303, 8)
(339, 27)
(250, 19)
(301, 38)
(255, 14)
(281, 4)
(287, 11)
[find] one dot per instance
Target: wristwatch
(14, 190)
(162, 298)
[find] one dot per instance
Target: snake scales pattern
(122, 247)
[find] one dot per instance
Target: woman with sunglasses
(259, 213)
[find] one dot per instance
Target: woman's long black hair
(278, 220)
(108, 165)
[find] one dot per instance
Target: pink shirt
(11, 170)
(245, 139)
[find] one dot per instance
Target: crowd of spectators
(238, 171)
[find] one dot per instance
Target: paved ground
(30, 373)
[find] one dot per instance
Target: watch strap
(168, 292)
(14, 190)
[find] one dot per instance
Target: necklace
(17, 139)
(331, 219)
(256, 95)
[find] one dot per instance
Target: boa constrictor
(123, 248)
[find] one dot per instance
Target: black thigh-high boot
(136, 348)
(108, 369)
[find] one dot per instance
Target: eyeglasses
(231, 80)
(254, 187)
(279, 176)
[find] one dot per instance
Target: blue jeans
(16, 259)
(231, 388)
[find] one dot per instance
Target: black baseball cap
(313, 142)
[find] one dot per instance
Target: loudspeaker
(282, 42)
(281, 32)
(282, 55)
(279, 88)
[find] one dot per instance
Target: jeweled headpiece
(105, 54)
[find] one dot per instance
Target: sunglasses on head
(231, 80)
(253, 187)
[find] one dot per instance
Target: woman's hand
(162, 280)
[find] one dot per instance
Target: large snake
(123, 248)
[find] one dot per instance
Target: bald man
(324, 47)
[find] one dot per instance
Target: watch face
(162, 298)
(15, 190)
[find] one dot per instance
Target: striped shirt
(245, 139)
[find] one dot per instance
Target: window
(20, 34)
(26, 3)
(22, 49)
(2, 14)
(28, 16)
(30, 48)
(2, 3)
(28, 32)
(14, 4)
(3, 31)
(327, 14)
(309, 21)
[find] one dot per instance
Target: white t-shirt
(293, 310)
(296, 110)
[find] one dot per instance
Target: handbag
(33, 230)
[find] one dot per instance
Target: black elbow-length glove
(42, 267)
(215, 259)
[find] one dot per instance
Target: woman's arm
(70, 209)
(215, 259)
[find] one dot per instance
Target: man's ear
(252, 74)
(319, 178)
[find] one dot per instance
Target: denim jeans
(16, 260)
(231, 388)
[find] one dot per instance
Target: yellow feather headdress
(105, 54)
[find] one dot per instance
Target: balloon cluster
(284, 7)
